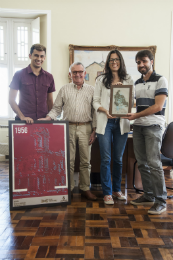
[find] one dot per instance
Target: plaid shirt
(77, 105)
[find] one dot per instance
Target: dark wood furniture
(128, 163)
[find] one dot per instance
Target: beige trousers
(81, 134)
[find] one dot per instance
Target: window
(35, 35)
(40, 142)
(21, 32)
(87, 77)
(3, 40)
(3, 69)
(16, 37)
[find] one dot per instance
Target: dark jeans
(112, 135)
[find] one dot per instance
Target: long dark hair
(107, 75)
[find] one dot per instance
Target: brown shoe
(88, 195)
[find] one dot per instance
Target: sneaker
(119, 195)
(108, 199)
(142, 201)
(157, 209)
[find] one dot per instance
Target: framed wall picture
(39, 164)
(94, 58)
(120, 100)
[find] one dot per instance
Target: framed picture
(39, 164)
(120, 100)
(94, 58)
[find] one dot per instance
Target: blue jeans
(147, 142)
(112, 135)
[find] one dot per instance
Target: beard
(144, 70)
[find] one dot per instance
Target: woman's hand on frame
(108, 115)
(118, 83)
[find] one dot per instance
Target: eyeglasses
(114, 60)
(76, 72)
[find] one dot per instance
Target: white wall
(104, 22)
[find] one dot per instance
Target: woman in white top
(109, 129)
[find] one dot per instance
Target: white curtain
(170, 90)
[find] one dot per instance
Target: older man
(75, 99)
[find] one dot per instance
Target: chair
(166, 156)
(167, 149)
(167, 142)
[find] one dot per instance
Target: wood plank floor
(84, 229)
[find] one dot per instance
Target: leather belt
(79, 123)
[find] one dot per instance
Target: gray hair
(76, 63)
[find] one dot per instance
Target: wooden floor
(84, 229)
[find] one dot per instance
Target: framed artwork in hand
(120, 100)
(39, 164)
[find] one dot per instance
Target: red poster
(39, 164)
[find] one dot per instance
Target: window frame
(4, 23)
(10, 45)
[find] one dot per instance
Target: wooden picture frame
(120, 100)
(39, 164)
(94, 58)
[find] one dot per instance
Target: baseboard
(3, 158)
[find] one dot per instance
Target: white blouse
(102, 99)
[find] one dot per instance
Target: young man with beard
(35, 87)
(151, 92)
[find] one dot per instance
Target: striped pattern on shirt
(145, 97)
(77, 105)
